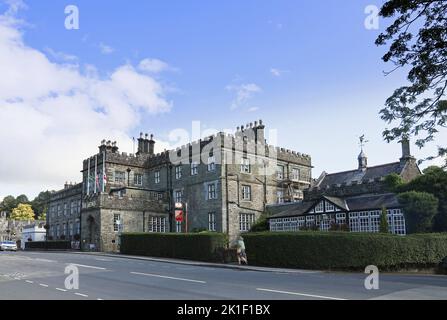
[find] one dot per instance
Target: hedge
(194, 246)
(51, 245)
(345, 251)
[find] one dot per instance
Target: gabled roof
(377, 201)
(358, 175)
(350, 204)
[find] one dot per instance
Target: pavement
(43, 276)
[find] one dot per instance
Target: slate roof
(357, 175)
(366, 202)
(351, 204)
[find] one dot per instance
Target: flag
(97, 181)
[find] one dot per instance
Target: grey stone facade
(222, 192)
(64, 213)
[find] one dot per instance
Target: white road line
(81, 294)
(43, 285)
(29, 281)
(166, 277)
(300, 294)
(85, 266)
(59, 289)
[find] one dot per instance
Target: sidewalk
(200, 263)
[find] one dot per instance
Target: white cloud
(277, 72)
(253, 109)
(105, 49)
(61, 56)
(244, 92)
(153, 65)
(53, 115)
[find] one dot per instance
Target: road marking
(59, 289)
(43, 285)
(81, 294)
(99, 299)
(29, 281)
(85, 266)
(166, 277)
(299, 294)
(100, 259)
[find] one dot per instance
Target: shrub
(52, 245)
(345, 251)
(419, 209)
(206, 246)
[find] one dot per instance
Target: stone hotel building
(225, 182)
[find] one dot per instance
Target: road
(41, 275)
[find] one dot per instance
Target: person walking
(241, 255)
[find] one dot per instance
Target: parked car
(8, 246)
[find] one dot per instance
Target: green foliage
(51, 245)
(434, 181)
(345, 251)
(261, 225)
(419, 209)
(394, 182)
(40, 203)
(8, 204)
(384, 227)
(207, 246)
(417, 43)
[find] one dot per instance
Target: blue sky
(309, 69)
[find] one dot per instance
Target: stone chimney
(102, 147)
(406, 153)
(151, 145)
(140, 144)
(259, 132)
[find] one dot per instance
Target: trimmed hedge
(204, 246)
(345, 251)
(50, 245)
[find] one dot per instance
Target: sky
(309, 69)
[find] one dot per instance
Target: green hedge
(194, 246)
(345, 251)
(51, 245)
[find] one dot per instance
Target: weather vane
(363, 141)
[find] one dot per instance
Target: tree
(8, 204)
(22, 199)
(394, 182)
(23, 212)
(384, 227)
(419, 209)
(433, 181)
(418, 42)
(40, 203)
(42, 217)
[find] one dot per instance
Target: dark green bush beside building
(50, 245)
(193, 246)
(345, 251)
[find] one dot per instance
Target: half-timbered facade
(356, 214)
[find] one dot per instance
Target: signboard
(179, 215)
(178, 205)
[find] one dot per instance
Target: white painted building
(33, 232)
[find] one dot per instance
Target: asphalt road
(36, 275)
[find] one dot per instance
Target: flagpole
(88, 177)
(103, 171)
(96, 172)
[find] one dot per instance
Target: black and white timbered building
(350, 200)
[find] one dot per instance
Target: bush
(345, 251)
(51, 245)
(419, 209)
(206, 246)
